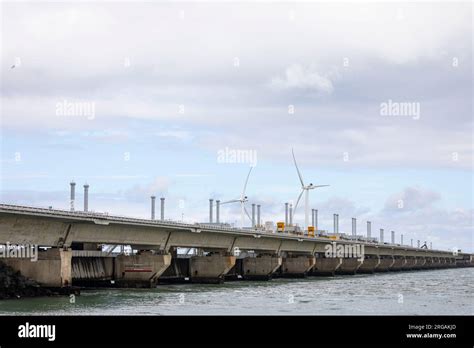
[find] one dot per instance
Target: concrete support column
(349, 266)
(162, 208)
(153, 198)
(260, 267)
(253, 214)
(286, 214)
(51, 269)
(315, 220)
(297, 266)
(258, 215)
(218, 208)
(369, 265)
(386, 262)
(140, 270)
(86, 197)
(410, 263)
(210, 269)
(291, 215)
(210, 209)
(326, 266)
(399, 263)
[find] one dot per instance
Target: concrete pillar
(381, 235)
(51, 269)
(354, 227)
(291, 215)
(411, 242)
(399, 263)
(401, 239)
(140, 270)
(253, 214)
(286, 214)
(210, 209)
(369, 229)
(349, 266)
(418, 243)
(335, 223)
(316, 220)
(410, 263)
(73, 195)
(386, 262)
(369, 265)
(297, 266)
(162, 208)
(218, 206)
(259, 222)
(326, 266)
(260, 267)
(393, 237)
(210, 269)
(312, 217)
(153, 207)
(86, 197)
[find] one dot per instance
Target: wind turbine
(305, 189)
(242, 200)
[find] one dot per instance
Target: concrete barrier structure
(410, 263)
(210, 269)
(158, 239)
(297, 265)
(349, 266)
(260, 267)
(141, 270)
(51, 269)
(369, 265)
(326, 266)
(399, 263)
(386, 262)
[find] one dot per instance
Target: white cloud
(304, 78)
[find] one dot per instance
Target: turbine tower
(242, 200)
(304, 189)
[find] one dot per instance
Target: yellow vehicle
(280, 226)
(333, 237)
(310, 231)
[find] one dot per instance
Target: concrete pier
(349, 266)
(386, 262)
(410, 263)
(211, 268)
(369, 265)
(398, 264)
(142, 270)
(297, 266)
(52, 269)
(326, 266)
(260, 267)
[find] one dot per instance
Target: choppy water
(435, 292)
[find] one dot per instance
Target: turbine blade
(296, 205)
(320, 185)
(246, 181)
(299, 174)
(232, 201)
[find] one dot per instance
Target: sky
(140, 99)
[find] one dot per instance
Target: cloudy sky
(138, 99)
